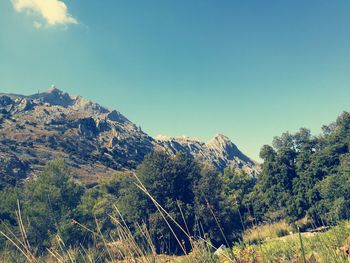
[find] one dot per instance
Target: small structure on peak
(54, 89)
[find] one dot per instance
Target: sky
(247, 69)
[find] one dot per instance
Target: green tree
(8, 208)
(305, 175)
(169, 180)
(49, 204)
(216, 215)
(237, 189)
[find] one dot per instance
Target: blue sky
(248, 69)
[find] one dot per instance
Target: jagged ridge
(219, 152)
(95, 140)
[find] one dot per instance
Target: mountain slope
(96, 141)
(219, 152)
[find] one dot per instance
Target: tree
(192, 194)
(237, 185)
(169, 180)
(305, 175)
(8, 208)
(49, 204)
(217, 216)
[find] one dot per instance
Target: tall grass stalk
(301, 246)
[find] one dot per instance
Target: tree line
(304, 175)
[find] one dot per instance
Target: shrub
(282, 232)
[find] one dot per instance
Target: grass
(330, 246)
(264, 232)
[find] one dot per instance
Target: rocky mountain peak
(221, 143)
(226, 150)
(219, 139)
(54, 97)
(88, 105)
(53, 89)
(220, 151)
(96, 141)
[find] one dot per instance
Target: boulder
(87, 127)
(12, 169)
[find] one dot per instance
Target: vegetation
(260, 233)
(306, 176)
(330, 246)
(175, 205)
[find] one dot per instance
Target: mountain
(94, 140)
(219, 151)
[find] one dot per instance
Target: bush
(282, 232)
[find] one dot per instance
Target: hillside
(94, 140)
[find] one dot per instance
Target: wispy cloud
(54, 12)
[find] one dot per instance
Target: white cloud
(54, 12)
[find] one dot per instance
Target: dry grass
(266, 232)
(330, 246)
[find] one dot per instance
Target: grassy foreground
(332, 245)
(329, 246)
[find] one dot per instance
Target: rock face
(12, 169)
(219, 152)
(53, 124)
(96, 141)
